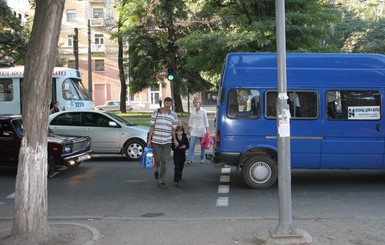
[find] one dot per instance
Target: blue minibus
(336, 107)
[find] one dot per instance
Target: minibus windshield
(74, 89)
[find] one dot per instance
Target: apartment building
(95, 20)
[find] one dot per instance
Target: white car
(109, 133)
(112, 105)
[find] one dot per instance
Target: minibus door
(353, 129)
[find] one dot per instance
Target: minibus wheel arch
(257, 151)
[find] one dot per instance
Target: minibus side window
(303, 104)
(243, 103)
(6, 90)
(353, 105)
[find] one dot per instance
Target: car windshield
(18, 125)
(121, 120)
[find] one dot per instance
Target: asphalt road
(114, 187)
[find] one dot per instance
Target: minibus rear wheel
(260, 171)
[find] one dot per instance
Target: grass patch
(142, 122)
(134, 114)
(146, 114)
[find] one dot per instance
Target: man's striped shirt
(165, 124)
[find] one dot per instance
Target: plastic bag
(206, 141)
(147, 158)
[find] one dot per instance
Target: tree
(249, 26)
(13, 36)
(122, 73)
(31, 207)
(152, 29)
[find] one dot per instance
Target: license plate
(83, 158)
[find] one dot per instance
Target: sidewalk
(253, 231)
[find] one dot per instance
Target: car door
(9, 144)
(68, 123)
(105, 132)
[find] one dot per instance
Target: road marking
(223, 189)
(222, 201)
(225, 170)
(11, 196)
(224, 178)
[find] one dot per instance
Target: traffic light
(170, 74)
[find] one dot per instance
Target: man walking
(162, 133)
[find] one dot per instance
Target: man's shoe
(156, 175)
(176, 183)
(162, 185)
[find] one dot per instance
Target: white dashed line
(224, 178)
(223, 189)
(225, 170)
(222, 201)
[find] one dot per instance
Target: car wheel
(260, 171)
(133, 149)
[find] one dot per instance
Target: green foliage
(250, 26)
(12, 34)
(207, 30)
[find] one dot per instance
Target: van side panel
(315, 143)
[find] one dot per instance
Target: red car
(67, 151)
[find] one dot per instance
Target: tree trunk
(122, 75)
(31, 208)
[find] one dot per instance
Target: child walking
(179, 153)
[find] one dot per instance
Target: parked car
(109, 133)
(62, 151)
(112, 105)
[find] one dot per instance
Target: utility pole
(89, 61)
(76, 48)
(285, 227)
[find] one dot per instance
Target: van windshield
(73, 89)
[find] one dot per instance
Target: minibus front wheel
(260, 171)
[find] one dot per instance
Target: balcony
(97, 22)
(98, 48)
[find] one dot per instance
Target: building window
(98, 13)
(71, 14)
(70, 40)
(99, 39)
(71, 64)
(99, 65)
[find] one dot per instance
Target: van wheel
(260, 171)
(133, 149)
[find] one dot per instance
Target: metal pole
(76, 48)
(89, 61)
(285, 228)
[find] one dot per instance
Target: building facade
(95, 20)
(92, 22)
